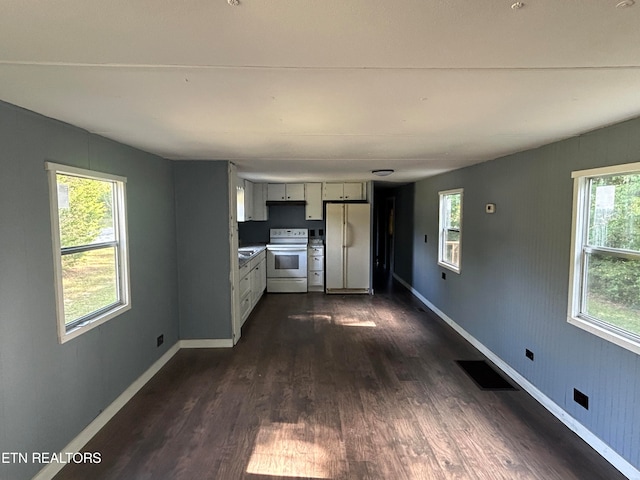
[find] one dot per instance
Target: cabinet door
(333, 191)
(245, 285)
(255, 285)
(260, 210)
(353, 191)
(276, 192)
(313, 196)
(263, 275)
(248, 200)
(295, 191)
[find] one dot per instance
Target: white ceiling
(323, 89)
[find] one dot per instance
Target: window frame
(441, 235)
(121, 244)
(579, 249)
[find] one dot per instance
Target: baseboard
(76, 445)
(207, 343)
(583, 432)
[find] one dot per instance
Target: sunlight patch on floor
(297, 450)
(310, 317)
(354, 322)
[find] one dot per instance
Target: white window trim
(120, 191)
(579, 217)
(441, 262)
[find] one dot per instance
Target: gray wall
(513, 289)
(49, 392)
(280, 216)
(202, 218)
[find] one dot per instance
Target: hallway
(336, 387)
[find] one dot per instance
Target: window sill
(605, 334)
(65, 336)
(448, 266)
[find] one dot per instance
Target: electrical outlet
(160, 340)
(529, 354)
(444, 276)
(581, 399)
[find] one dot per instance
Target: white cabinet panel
(343, 191)
(295, 191)
(354, 191)
(283, 192)
(313, 196)
(260, 210)
(276, 192)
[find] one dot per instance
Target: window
(604, 290)
(450, 239)
(88, 221)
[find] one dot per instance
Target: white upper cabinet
(313, 196)
(248, 200)
(343, 191)
(283, 192)
(276, 192)
(295, 191)
(260, 210)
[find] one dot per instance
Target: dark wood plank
(340, 387)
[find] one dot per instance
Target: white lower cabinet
(253, 283)
(315, 268)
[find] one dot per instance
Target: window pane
(89, 282)
(614, 212)
(612, 291)
(452, 211)
(85, 210)
(451, 252)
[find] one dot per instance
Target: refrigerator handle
(347, 235)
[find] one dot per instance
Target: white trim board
(583, 432)
(207, 343)
(76, 445)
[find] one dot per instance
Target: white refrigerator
(348, 248)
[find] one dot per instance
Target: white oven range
(287, 260)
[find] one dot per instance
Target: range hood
(286, 203)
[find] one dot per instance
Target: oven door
(286, 261)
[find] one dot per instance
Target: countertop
(247, 252)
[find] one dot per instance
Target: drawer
(315, 251)
(255, 261)
(315, 279)
(244, 269)
(245, 285)
(315, 263)
(245, 307)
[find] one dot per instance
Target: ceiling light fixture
(383, 172)
(517, 5)
(626, 3)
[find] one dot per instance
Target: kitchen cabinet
(282, 192)
(343, 191)
(253, 282)
(260, 210)
(258, 281)
(348, 243)
(315, 268)
(248, 200)
(244, 198)
(313, 197)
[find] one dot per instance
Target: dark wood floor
(339, 387)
